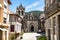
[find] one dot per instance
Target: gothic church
(30, 21)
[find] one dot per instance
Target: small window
(22, 12)
(15, 19)
(19, 12)
(11, 28)
(54, 24)
(54, 21)
(5, 20)
(32, 18)
(5, 6)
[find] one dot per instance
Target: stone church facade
(30, 21)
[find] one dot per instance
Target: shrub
(21, 33)
(42, 38)
(13, 37)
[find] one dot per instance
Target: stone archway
(32, 28)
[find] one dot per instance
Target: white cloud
(40, 8)
(33, 5)
(38, 5)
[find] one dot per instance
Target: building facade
(30, 21)
(52, 21)
(15, 25)
(42, 19)
(4, 19)
(21, 12)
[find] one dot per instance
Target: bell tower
(21, 11)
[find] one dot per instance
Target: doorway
(59, 25)
(49, 36)
(32, 28)
(0, 34)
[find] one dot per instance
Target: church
(30, 21)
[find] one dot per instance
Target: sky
(29, 5)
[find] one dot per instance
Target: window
(19, 12)
(11, 28)
(5, 20)
(54, 21)
(50, 22)
(5, 6)
(54, 24)
(22, 12)
(15, 19)
(32, 18)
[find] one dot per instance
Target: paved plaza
(30, 36)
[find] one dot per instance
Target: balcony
(2, 25)
(52, 9)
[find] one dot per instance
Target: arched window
(22, 12)
(19, 12)
(32, 17)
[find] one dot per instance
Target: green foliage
(13, 37)
(42, 38)
(35, 12)
(21, 33)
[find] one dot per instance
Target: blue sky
(29, 5)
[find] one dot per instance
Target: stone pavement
(30, 36)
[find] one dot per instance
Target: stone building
(52, 22)
(42, 19)
(30, 21)
(4, 19)
(21, 11)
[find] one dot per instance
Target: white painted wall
(5, 14)
(17, 26)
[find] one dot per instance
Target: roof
(21, 7)
(15, 14)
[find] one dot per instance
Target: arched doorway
(32, 28)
